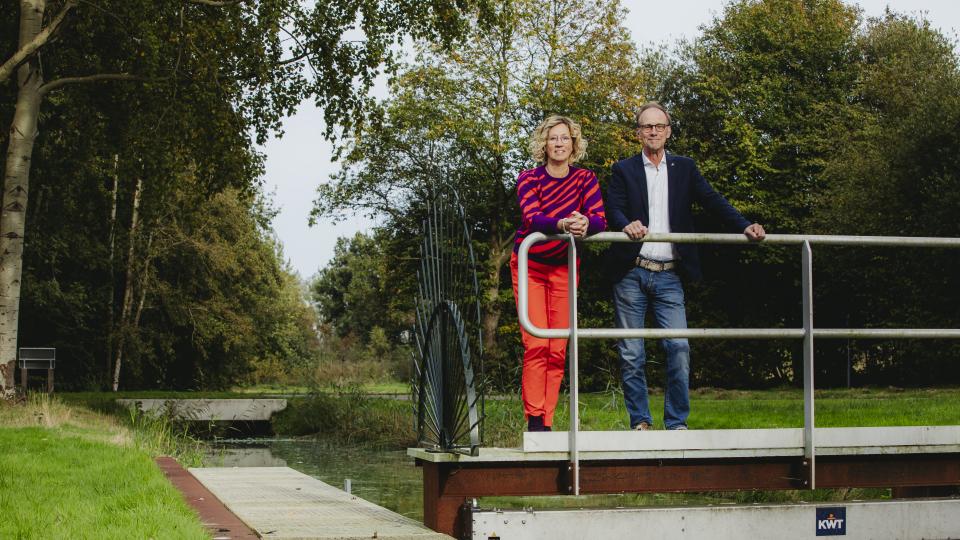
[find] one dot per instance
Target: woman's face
(559, 143)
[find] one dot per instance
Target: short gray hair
(650, 105)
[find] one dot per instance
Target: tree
(462, 119)
(352, 293)
(234, 49)
(896, 174)
(760, 101)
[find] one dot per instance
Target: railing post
(807, 332)
(573, 348)
(809, 448)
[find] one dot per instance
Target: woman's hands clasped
(575, 224)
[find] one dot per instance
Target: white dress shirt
(659, 197)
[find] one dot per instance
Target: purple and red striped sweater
(545, 200)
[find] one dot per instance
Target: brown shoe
(642, 426)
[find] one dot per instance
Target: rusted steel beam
(888, 471)
(677, 475)
(447, 485)
(515, 479)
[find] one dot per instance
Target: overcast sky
(301, 159)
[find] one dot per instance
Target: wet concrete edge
(217, 518)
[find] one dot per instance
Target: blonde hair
(538, 139)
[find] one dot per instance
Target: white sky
(301, 160)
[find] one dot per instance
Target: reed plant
(348, 415)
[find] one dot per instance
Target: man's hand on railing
(635, 230)
(753, 232)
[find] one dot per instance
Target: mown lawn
(358, 418)
(66, 472)
(743, 409)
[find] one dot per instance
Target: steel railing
(807, 332)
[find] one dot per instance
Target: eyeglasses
(562, 139)
(650, 127)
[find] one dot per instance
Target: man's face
(651, 121)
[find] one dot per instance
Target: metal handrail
(807, 332)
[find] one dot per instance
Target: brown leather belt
(655, 266)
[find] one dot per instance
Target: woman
(555, 197)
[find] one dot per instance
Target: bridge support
(450, 480)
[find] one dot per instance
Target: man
(652, 193)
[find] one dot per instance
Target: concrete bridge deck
(208, 409)
(279, 502)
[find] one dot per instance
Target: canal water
(390, 479)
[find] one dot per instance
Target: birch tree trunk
(122, 326)
(144, 281)
(16, 181)
(111, 297)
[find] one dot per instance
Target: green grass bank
(357, 418)
(67, 471)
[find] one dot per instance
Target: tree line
(134, 236)
(809, 117)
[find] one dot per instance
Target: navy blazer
(627, 201)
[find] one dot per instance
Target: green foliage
(349, 417)
(809, 119)
(897, 174)
(179, 279)
(461, 118)
(763, 98)
(353, 293)
(211, 303)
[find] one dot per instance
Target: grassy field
(730, 409)
(388, 387)
(358, 418)
(69, 472)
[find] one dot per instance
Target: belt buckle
(652, 265)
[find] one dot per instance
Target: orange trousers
(543, 359)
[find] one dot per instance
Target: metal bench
(37, 358)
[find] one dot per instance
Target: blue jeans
(664, 293)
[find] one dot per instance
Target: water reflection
(384, 477)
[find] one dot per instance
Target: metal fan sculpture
(448, 403)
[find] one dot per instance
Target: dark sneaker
(535, 423)
(678, 428)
